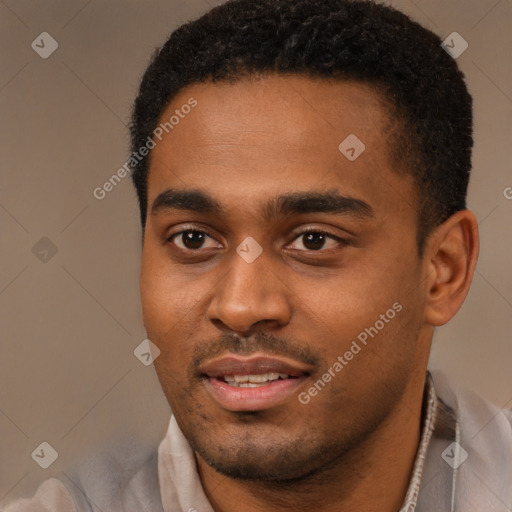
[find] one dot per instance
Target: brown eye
(315, 241)
(192, 239)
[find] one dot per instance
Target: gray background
(70, 324)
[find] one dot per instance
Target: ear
(450, 256)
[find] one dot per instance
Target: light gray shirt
(463, 464)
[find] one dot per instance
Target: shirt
(463, 464)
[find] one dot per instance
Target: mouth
(253, 384)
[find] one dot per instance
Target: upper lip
(231, 365)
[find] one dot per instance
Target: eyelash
(338, 239)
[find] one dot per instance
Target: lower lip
(252, 399)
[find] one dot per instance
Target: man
(301, 168)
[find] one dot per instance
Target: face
(280, 273)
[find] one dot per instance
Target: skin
(353, 445)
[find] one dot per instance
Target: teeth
(257, 379)
(253, 381)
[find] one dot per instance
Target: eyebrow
(282, 205)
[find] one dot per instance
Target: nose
(249, 295)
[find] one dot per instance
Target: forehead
(274, 134)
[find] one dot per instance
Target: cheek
(163, 310)
(361, 303)
(156, 297)
(171, 311)
(350, 299)
(162, 300)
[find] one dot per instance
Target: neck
(373, 476)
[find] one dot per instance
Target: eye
(315, 240)
(193, 239)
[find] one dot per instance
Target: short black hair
(421, 84)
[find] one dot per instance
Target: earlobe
(451, 255)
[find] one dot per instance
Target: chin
(267, 455)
